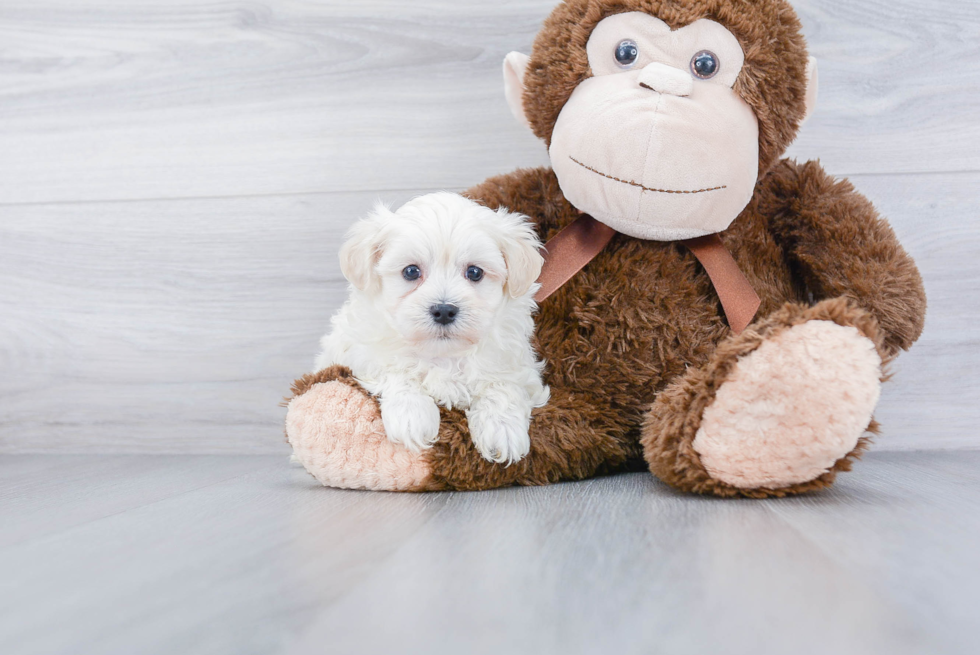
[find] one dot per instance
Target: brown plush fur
(331, 373)
(636, 344)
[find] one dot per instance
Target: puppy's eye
(705, 65)
(627, 53)
(474, 273)
(412, 273)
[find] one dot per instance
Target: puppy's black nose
(444, 314)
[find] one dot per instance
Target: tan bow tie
(576, 245)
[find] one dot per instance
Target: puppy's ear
(520, 247)
(360, 253)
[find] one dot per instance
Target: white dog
(439, 313)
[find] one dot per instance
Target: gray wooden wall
(175, 178)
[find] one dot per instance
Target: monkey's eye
(412, 273)
(627, 53)
(474, 273)
(705, 65)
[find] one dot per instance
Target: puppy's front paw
(500, 437)
(411, 420)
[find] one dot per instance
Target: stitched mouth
(640, 186)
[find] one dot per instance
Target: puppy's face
(441, 267)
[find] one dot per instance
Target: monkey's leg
(778, 410)
(336, 432)
(571, 439)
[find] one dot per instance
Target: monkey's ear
(812, 85)
(515, 65)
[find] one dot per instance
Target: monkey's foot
(792, 408)
(780, 409)
(336, 433)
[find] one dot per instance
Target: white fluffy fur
(483, 362)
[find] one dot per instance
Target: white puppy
(439, 313)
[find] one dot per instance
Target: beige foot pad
(791, 408)
(337, 435)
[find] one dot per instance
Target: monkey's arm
(840, 246)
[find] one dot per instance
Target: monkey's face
(657, 144)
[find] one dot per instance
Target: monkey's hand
(842, 248)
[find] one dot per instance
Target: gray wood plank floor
(244, 554)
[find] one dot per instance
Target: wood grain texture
(260, 559)
(163, 326)
(149, 99)
(176, 326)
(231, 566)
(164, 274)
(154, 99)
(931, 400)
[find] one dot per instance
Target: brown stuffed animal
(665, 121)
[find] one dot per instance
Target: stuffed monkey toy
(717, 314)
